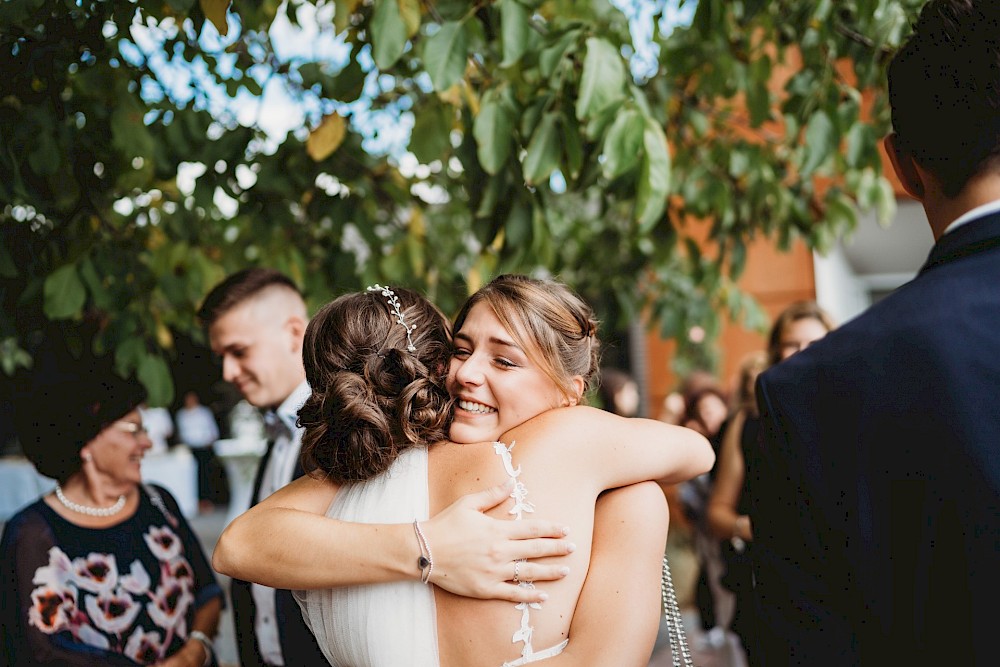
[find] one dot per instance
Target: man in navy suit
(256, 322)
(876, 485)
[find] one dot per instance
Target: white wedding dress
(393, 624)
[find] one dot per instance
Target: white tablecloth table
(177, 471)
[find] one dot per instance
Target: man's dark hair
(239, 287)
(944, 90)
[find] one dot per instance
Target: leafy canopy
(135, 170)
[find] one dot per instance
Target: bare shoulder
(576, 418)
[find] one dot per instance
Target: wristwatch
(206, 641)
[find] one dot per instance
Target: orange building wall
(775, 279)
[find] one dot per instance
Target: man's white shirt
(278, 473)
(974, 214)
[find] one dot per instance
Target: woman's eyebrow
(493, 340)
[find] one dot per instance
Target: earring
(87, 457)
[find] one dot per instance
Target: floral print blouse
(121, 595)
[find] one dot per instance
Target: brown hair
(560, 326)
(239, 287)
(371, 398)
(745, 396)
(800, 310)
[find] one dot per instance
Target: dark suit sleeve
(802, 614)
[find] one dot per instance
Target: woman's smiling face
(495, 382)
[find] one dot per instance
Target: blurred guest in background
(706, 412)
(618, 392)
(159, 426)
(795, 328)
(104, 570)
(256, 321)
(197, 428)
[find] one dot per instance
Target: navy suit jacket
(298, 644)
(875, 488)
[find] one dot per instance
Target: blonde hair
(550, 322)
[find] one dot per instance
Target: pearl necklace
(88, 510)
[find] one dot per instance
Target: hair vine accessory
(395, 306)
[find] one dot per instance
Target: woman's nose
(468, 371)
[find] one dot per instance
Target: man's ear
(296, 328)
(904, 166)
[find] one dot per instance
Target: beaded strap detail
(519, 494)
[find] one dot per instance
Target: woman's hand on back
(474, 555)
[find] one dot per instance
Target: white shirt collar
(969, 216)
(289, 408)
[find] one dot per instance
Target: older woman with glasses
(104, 570)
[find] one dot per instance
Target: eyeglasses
(131, 427)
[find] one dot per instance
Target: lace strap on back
(521, 506)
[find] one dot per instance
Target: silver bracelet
(206, 642)
(426, 560)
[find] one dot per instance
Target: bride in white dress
(376, 361)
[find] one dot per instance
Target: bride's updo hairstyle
(549, 321)
(375, 391)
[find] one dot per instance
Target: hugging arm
(286, 542)
(610, 451)
(618, 613)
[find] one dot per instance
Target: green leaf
(623, 144)
(445, 53)
(758, 90)
(129, 133)
(342, 13)
(654, 177)
(388, 34)
(65, 294)
(348, 84)
(886, 204)
(215, 11)
(430, 138)
(603, 79)
(601, 121)
(154, 374)
(551, 56)
(493, 130)
(98, 292)
(513, 31)
(737, 258)
(861, 144)
(128, 354)
(572, 145)
(819, 142)
(495, 192)
(409, 10)
(44, 157)
(8, 268)
(12, 356)
(518, 225)
(542, 156)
